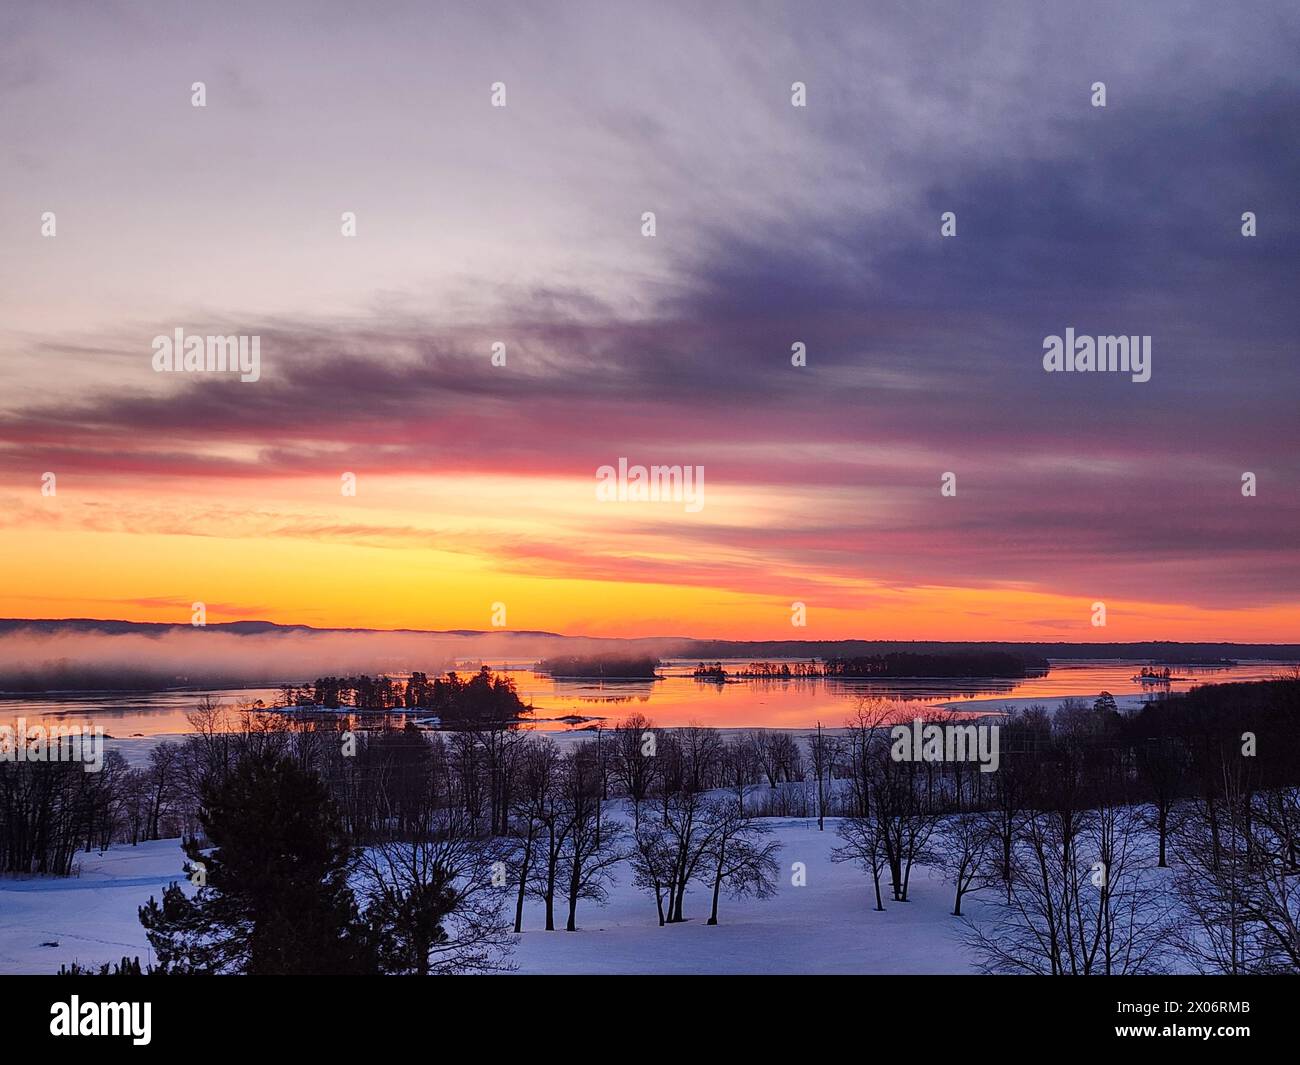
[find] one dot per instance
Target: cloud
(776, 225)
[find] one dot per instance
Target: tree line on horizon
(897, 665)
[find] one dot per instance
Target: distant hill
(688, 647)
(239, 628)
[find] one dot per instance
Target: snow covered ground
(91, 917)
(827, 926)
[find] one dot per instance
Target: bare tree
(863, 844)
(701, 755)
(1082, 902)
(1022, 733)
(786, 755)
(539, 762)
(740, 768)
(687, 840)
(433, 905)
(161, 782)
(554, 817)
(965, 846)
(905, 820)
(740, 857)
(863, 831)
(1162, 764)
(653, 860)
(633, 760)
(587, 860)
(1239, 882)
(766, 754)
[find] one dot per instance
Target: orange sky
(780, 228)
(398, 556)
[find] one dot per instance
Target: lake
(676, 700)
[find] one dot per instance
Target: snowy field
(827, 926)
(92, 917)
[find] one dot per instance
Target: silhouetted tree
(274, 896)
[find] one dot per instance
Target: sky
(774, 225)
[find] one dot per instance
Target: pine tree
(275, 895)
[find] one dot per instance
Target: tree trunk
(550, 889)
(717, 886)
(574, 884)
(523, 880)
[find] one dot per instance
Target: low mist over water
(676, 700)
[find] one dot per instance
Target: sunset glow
(521, 226)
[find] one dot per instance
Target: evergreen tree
(274, 896)
(125, 967)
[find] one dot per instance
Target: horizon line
(20, 621)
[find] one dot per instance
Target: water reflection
(677, 699)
